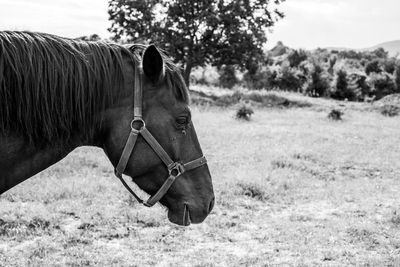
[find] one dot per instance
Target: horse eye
(182, 120)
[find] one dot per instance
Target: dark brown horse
(57, 94)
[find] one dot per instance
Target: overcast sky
(308, 23)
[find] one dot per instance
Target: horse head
(162, 105)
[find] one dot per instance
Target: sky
(308, 23)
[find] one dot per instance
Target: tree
(380, 53)
(296, 57)
(381, 85)
(227, 76)
(397, 77)
(318, 84)
(389, 65)
(194, 33)
(341, 91)
(373, 66)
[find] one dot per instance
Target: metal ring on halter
(140, 121)
(176, 170)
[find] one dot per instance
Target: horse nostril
(211, 206)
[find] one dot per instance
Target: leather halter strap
(175, 169)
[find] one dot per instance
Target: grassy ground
(293, 188)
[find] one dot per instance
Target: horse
(57, 94)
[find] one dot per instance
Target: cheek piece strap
(175, 169)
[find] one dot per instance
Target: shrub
(261, 79)
(332, 63)
(252, 190)
(351, 54)
(335, 115)
(318, 84)
(296, 57)
(227, 76)
(341, 90)
(397, 77)
(380, 53)
(244, 112)
(381, 85)
(228, 100)
(390, 110)
(373, 66)
(389, 65)
(289, 79)
(358, 84)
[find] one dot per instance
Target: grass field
(293, 188)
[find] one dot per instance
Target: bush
(351, 54)
(390, 110)
(335, 115)
(289, 79)
(380, 53)
(397, 77)
(296, 57)
(227, 76)
(358, 84)
(340, 89)
(381, 85)
(373, 66)
(252, 190)
(261, 79)
(244, 112)
(318, 84)
(389, 65)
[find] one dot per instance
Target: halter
(175, 169)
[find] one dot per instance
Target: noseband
(175, 169)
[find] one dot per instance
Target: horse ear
(153, 64)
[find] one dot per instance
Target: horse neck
(19, 160)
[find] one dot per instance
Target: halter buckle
(176, 169)
(139, 121)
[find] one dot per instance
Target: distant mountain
(392, 47)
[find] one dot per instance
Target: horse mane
(53, 87)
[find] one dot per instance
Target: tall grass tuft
(244, 112)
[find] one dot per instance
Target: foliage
(389, 65)
(341, 91)
(350, 54)
(358, 86)
(252, 190)
(381, 84)
(262, 78)
(373, 66)
(346, 75)
(244, 112)
(318, 83)
(335, 115)
(380, 53)
(390, 110)
(397, 77)
(227, 76)
(197, 32)
(296, 57)
(289, 79)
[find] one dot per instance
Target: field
(293, 188)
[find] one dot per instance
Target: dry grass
(293, 188)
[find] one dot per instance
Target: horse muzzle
(187, 213)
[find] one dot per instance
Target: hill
(392, 47)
